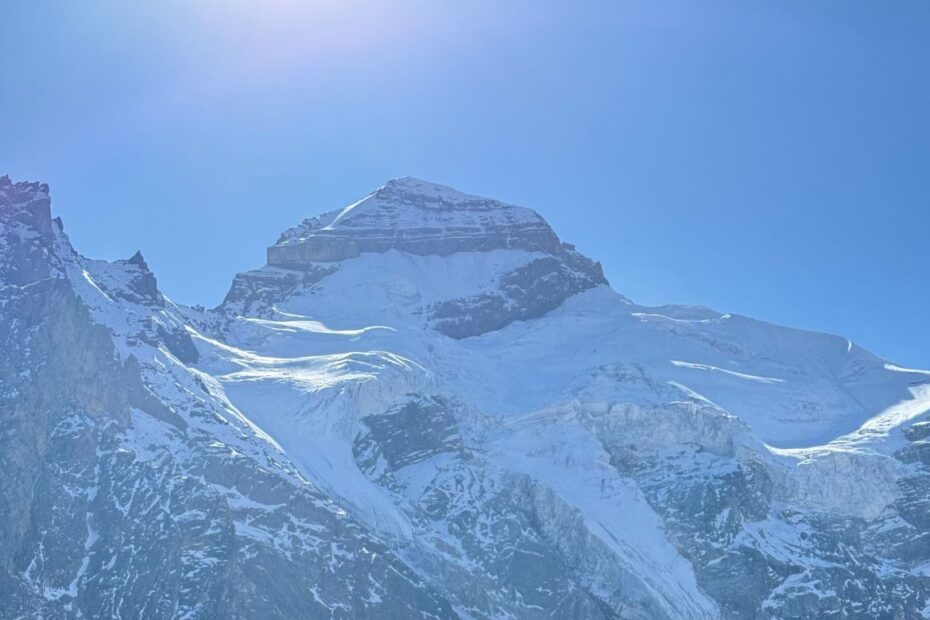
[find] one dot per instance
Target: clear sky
(765, 158)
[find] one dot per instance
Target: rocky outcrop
(416, 217)
(26, 232)
(527, 292)
(255, 292)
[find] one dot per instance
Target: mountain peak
(21, 192)
(139, 260)
(412, 186)
(27, 203)
(23, 188)
(417, 217)
(412, 202)
(510, 265)
(414, 182)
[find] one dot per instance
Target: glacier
(427, 405)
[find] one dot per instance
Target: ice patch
(732, 373)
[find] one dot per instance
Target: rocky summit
(426, 405)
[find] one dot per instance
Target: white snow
(822, 413)
(732, 373)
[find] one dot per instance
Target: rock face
(426, 405)
(526, 292)
(416, 217)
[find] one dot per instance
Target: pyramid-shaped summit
(417, 217)
(471, 264)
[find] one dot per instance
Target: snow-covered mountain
(427, 405)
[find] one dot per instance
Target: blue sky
(770, 159)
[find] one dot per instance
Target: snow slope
(787, 398)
